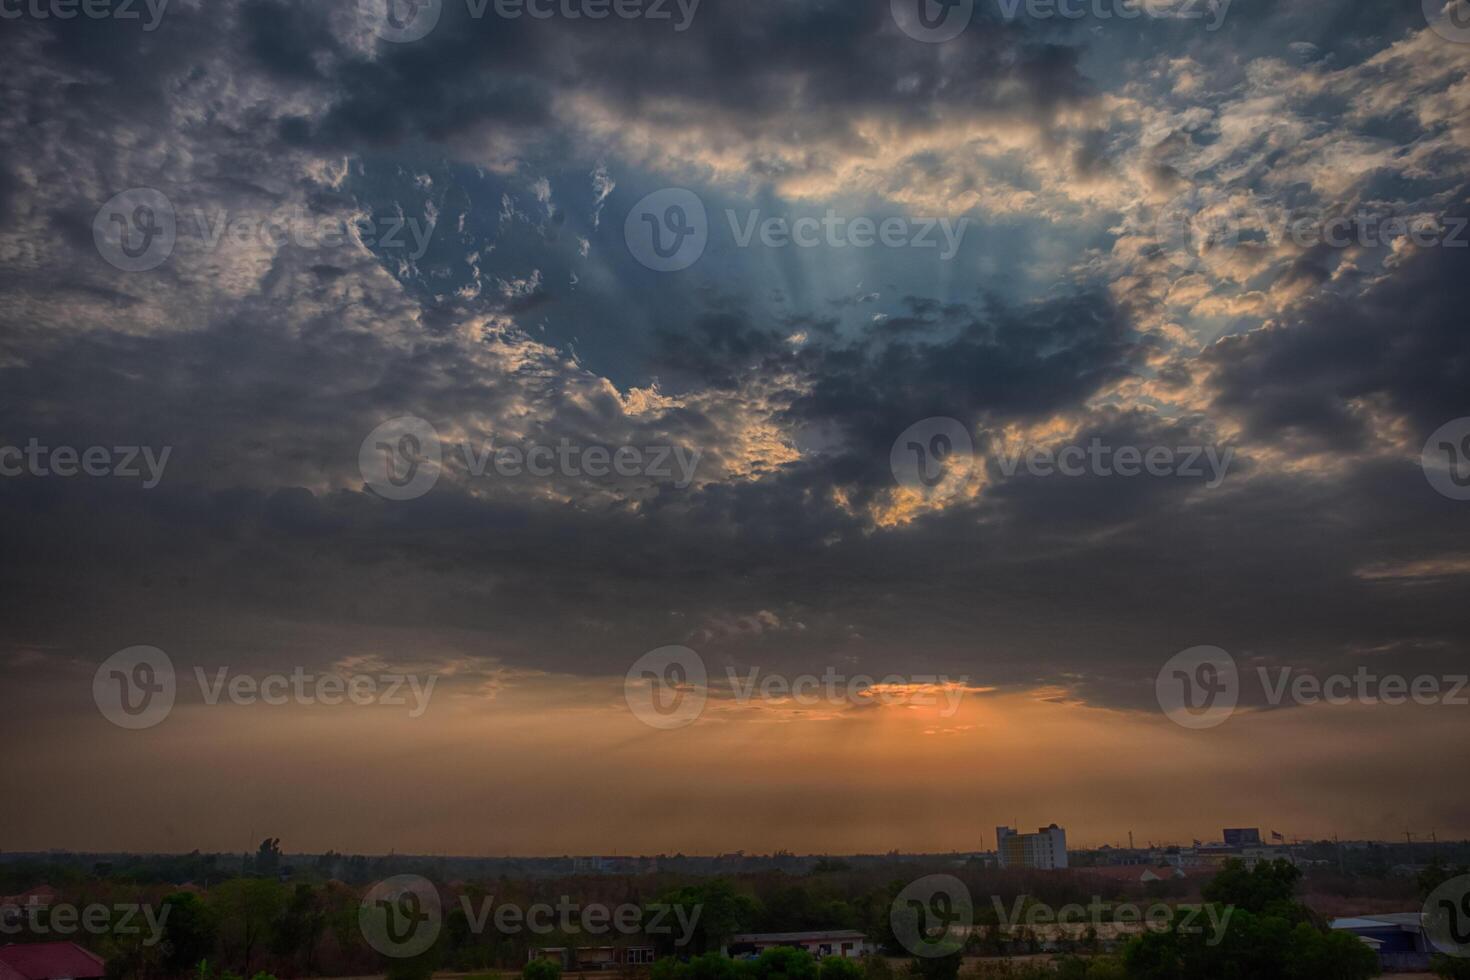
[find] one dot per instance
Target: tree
(249, 908)
(839, 968)
(723, 912)
(1268, 888)
(784, 963)
(709, 966)
(299, 925)
(937, 967)
(189, 934)
(268, 858)
(1450, 967)
(541, 969)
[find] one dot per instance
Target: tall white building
(1045, 850)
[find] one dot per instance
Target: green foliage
(1267, 889)
(1258, 947)
(722, 912)
(709, 966)
(1450, 967)
(937, 967)
(839, 968)
(541, 969)
(876, 967)
(783, 963)
(249, 908)
(1097, 968)
(189, 933)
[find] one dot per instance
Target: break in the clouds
(1172, 235)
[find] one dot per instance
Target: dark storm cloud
(734, 65)
(262, 546)
(1403, 339)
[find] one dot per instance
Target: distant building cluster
(1045, 850)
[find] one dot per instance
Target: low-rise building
(584, 958)
(1045, 850)
(820, 943)
(1397, 938)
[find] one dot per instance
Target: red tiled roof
(49, 961)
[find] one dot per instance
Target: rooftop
(49, 961)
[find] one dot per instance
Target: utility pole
(1410, 838)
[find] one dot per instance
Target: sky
(863, 305)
